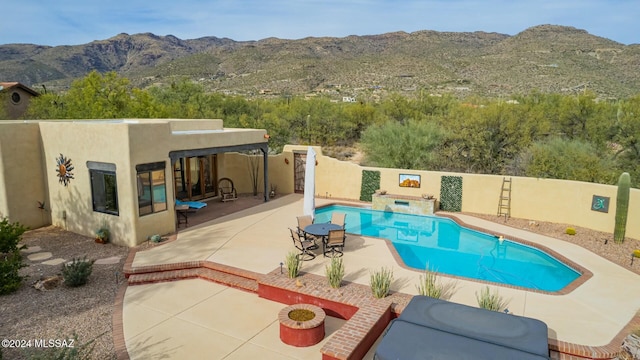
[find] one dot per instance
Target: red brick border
(306, 333)
(367, 317)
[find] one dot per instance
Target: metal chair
(305, 246)
(338, 218)
(335, 243)
(303, 222)
(227, 190)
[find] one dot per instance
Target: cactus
(622, 207)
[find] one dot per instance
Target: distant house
(348, 99)
(16, 98)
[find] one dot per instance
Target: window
(104, 187)
(152, 188)
(15, 97)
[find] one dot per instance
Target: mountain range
(545, 58)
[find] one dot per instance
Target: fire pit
(301, 325)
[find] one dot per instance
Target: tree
(486, 138)
(558, 158)
(98, 96)
(412, 145)
(626, 138)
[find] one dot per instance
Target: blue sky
(71, 22)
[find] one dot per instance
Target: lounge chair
(193, 205)
(335, 243)
(303, 222)
(227, 190)
(305, 246)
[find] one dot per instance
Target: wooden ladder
(504, 205)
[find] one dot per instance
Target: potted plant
(102, 235)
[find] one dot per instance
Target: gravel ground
(87, 310)
(63, 311)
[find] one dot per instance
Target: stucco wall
(559, 201)
(71, 206)
(127, 143)
(22, 178)
(149, 142)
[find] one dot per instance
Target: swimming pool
(452, 249)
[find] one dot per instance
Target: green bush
(10, 257)
(293, 263)
(570, 231)
(77, 271)
(490, 301)
(335, 272)
(381, 282)
(429, 285)
(10, 236)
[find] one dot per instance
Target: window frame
(149, 169)
(101, 169)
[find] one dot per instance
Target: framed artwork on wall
(408, 180)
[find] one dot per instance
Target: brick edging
(117, 322)
(349, 294)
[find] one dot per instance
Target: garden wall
(559, 201)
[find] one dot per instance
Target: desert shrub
(10, 236)
(570, 231)
(10, 257)
(429, 285)
(293, 263)
(381, 282)
(490, 301)
(335, 272)
(76, 272)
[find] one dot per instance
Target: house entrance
(196, 177)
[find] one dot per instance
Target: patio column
(265, 161)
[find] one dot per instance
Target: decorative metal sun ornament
(64, 170)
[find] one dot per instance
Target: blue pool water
(452, 249)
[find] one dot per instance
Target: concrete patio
(196, 318)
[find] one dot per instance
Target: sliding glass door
(195, 178)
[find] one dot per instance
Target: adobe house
(16, 98)
(123, 174)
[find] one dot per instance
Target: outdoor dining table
(321, 230)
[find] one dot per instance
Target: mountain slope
(547, 58)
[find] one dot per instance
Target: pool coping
(585, 274)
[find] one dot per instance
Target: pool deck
(196, 318)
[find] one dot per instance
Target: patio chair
(303, 222)
(335, 243)
(338, 218)
(227, 190)
(305, 246)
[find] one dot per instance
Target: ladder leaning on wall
(504, 205)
